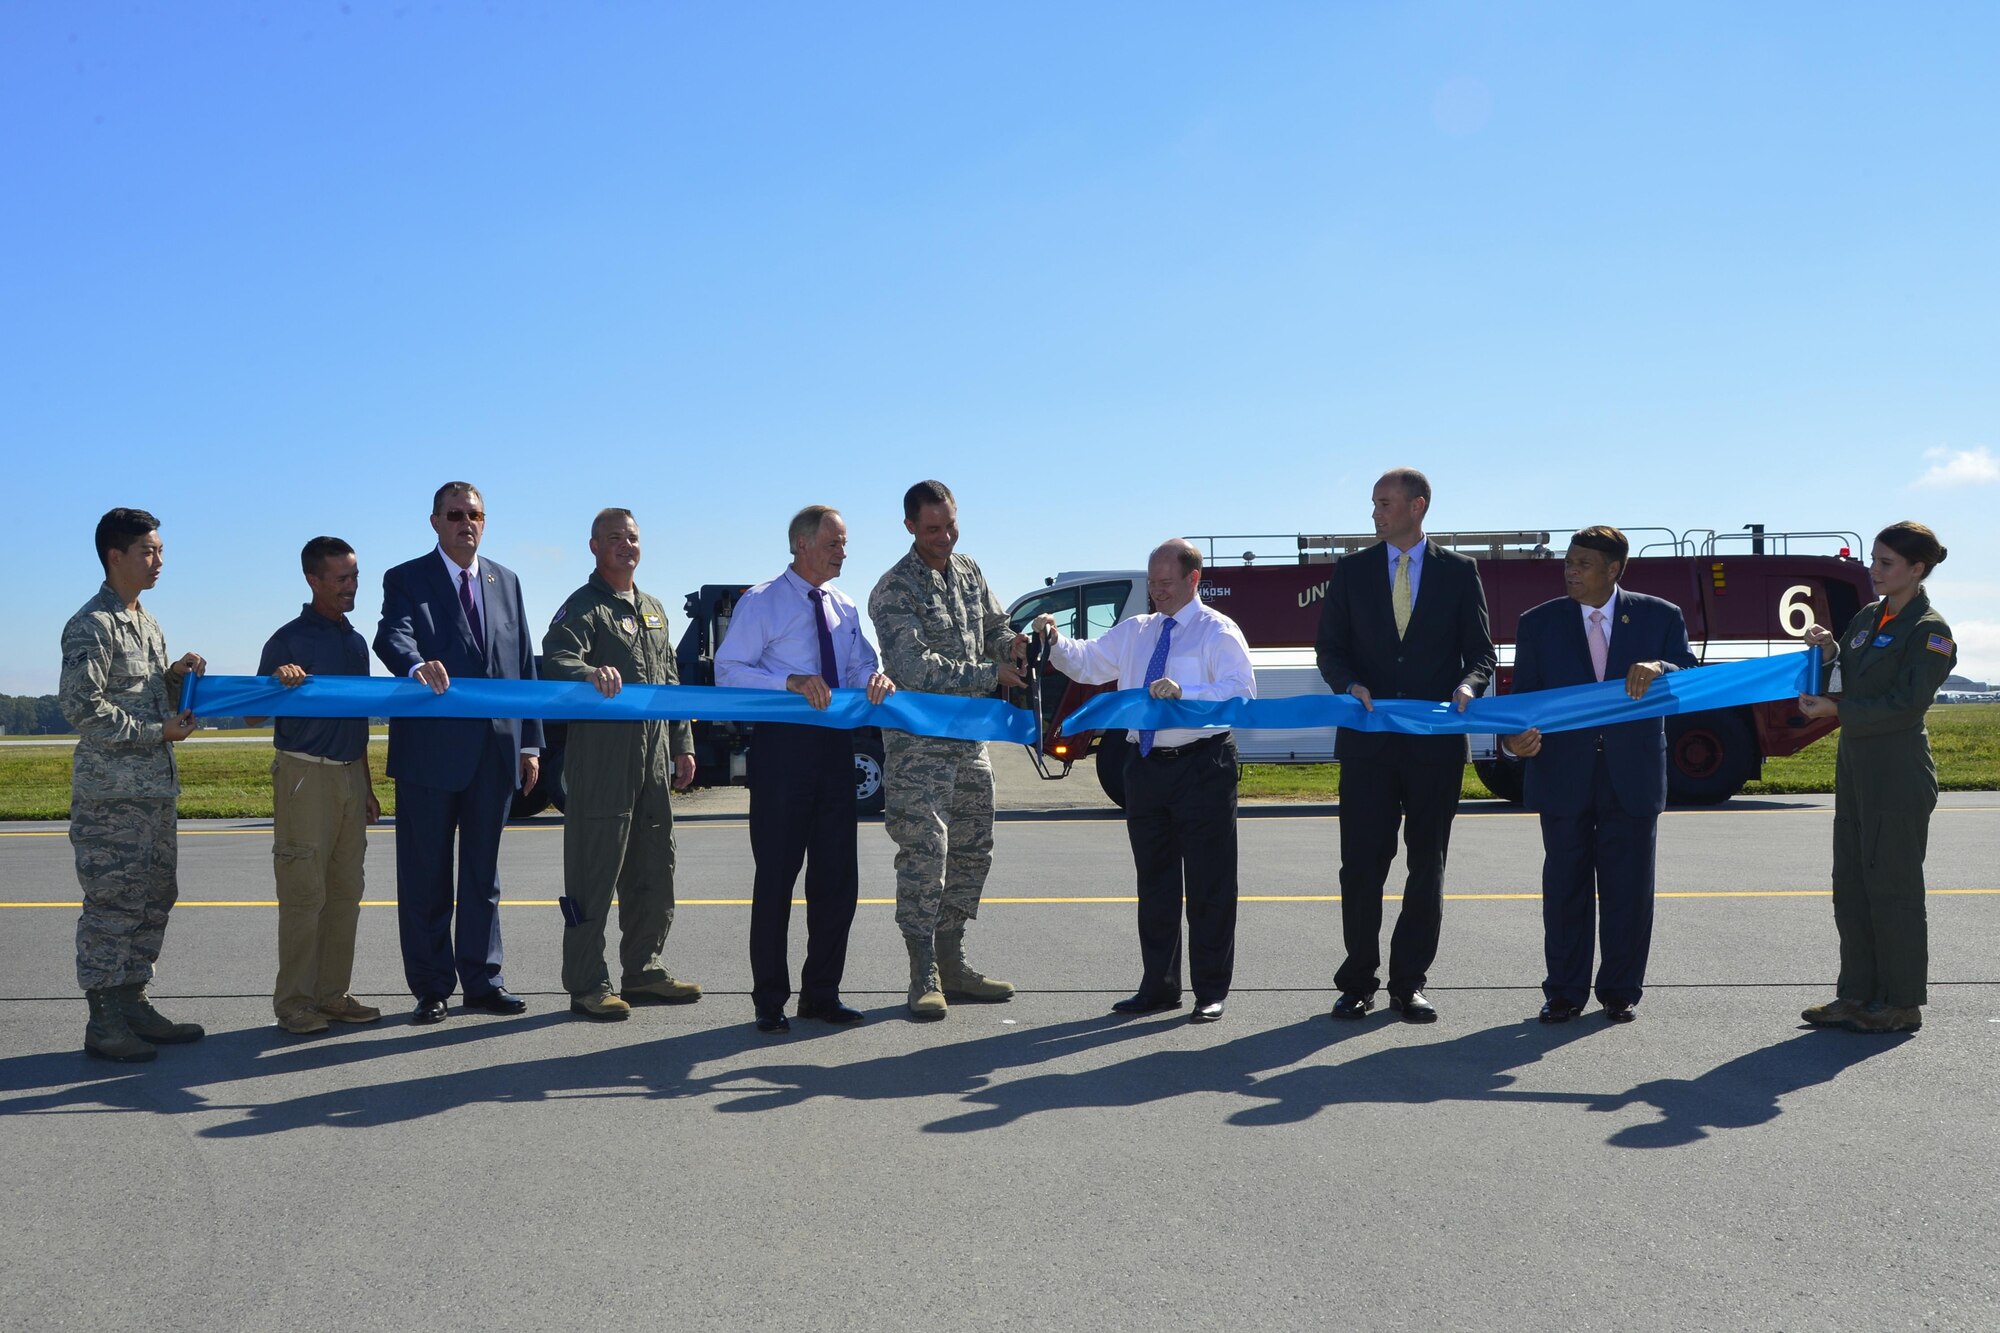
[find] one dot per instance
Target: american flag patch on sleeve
(1938, 643)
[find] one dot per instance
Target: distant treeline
(37, 715)
(22, 715)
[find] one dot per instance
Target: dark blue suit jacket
(1551, 651)
(423, 621)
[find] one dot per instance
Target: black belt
(1192, 747)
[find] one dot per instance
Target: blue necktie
(829, 668)
(1154, 670)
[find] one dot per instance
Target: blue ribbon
(1570, 708)
(578, 701)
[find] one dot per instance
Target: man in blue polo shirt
(323, 797)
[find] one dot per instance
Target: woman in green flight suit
(1892, 658)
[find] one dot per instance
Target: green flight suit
(618, 828)
(1884, 789)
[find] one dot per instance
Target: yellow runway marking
(739, 821)
(1126, 900)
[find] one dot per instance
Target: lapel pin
(1624, 620)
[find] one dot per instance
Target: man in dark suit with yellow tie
(1599, 790)
(1404, 619)
(449, 613)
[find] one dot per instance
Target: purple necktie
(471, 610)
(828, 670)
(1600, 647)
(1155, 669)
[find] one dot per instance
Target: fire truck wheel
(870, 796)
(1709, 757)
(1501, 777)
(1111, 748)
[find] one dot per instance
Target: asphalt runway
(1036, 1164)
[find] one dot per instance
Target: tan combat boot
(148, 1023)
(1831, 1014)
(108, 1036)
(926, 993)
(664, 991)
(962, 981)
(1885, 1018)
(600, 1005)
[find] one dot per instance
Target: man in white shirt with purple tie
(800, 633)
(1180, 784)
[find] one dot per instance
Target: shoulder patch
(562, 612)
(1938, 643)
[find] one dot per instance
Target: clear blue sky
(1113, 272)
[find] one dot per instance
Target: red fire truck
(1744, 594)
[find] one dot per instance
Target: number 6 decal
(1795, 611)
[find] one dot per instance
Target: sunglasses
(464, 515)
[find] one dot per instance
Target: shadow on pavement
(1467, 1068)
(1475, 1067)
(1742, 1092)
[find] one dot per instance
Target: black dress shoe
(1352, 1006)
(1414, 1007)
(501, 1001)
(1560, 1011)
(1619, 1011)
(1143, 1003)
(773, 1020)
(829, 1011)
(430, 1009)
(1206, 1013)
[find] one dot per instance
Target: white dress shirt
(772, 637)
(1208, 658)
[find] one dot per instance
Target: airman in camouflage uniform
(942, 631)
(619, 822)
(121, 695)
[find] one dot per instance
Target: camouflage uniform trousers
(939, 809)
(126, 861)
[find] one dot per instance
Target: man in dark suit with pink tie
(1599, 790)
(451, 613)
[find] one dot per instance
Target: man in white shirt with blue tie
(800, 633)
(1180, 784)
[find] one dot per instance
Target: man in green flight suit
(618, 832)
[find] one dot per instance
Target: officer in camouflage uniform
(618, 830)
(1893, 656)
(120, 694)
(942, 631)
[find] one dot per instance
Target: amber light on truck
(1715, 573)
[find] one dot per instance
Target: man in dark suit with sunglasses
(450, 613)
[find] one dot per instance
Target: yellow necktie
(1399, 596)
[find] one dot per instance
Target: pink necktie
(1600, 647)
